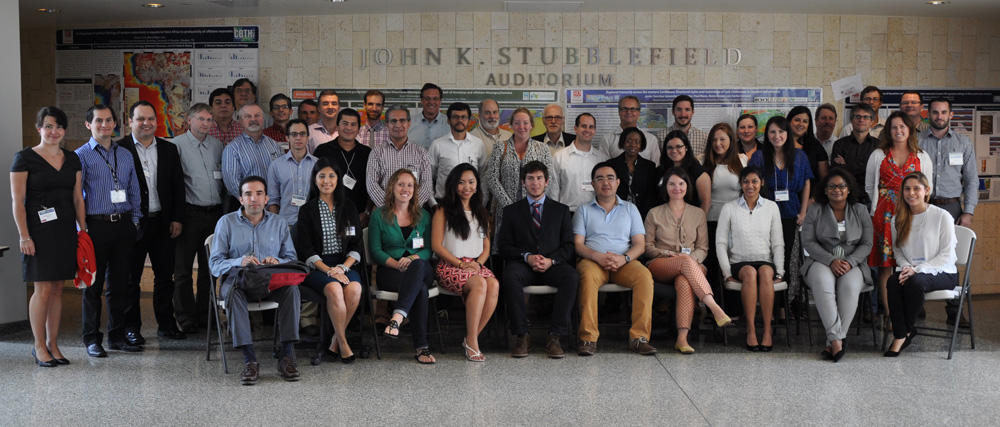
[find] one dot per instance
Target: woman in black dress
(45, 182)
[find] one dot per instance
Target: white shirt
(318, 135)
(572, 173)
(828, 146)
(148, 159)
(446, 152)
(610, 146)
(930, 247)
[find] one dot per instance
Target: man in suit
(554, 137)
(161, 185)
(536, 240)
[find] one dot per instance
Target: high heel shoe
(59, 361)
(48, 364)
(908, 340)
(766, 348)
(836, 357)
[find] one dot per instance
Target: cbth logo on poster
(241, 34)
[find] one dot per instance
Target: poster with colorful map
(164, 80)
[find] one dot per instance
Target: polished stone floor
(172, 384)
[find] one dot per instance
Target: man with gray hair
(488, 129)
(826, 123)
(201, 162)
(398, 153)
(248, 154)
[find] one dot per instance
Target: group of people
(559, 209)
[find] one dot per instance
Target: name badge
(349, 182)
(842, 227)
(217, 174)
(46, 215)
(117, 196)
(482, 233)
(919, 259)
(781, 196)
(686, 251)
(298, 200)
(350, 231)
(587, 186)
(148, 174)
(418, 243)
(284, 146)
(955, 159)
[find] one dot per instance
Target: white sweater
(874, 168)
(930, 248)
(745, 236)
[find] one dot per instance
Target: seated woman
(837, 238)
(758, 251)
(924, 247)
(328, 237)
(677, 241)
(396, 236)
(458, 237)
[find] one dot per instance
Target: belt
(152, 214)
(944, 200)
(207, 209)
(113, 217)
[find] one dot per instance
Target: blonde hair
(904, 216)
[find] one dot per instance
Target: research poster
(170, 67)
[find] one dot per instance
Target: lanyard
(353, 153)
(114, 169)
(776, 178)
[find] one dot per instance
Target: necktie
(536, 215)
(371, 138)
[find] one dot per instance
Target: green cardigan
(386, 239)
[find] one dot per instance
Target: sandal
(425, 352)
(393, 326)
(472, 355)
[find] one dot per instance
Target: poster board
(170, 67)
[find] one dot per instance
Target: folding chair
(862, 305)
(393, 296)
(779, 286)
(215, 304)
(964, 251)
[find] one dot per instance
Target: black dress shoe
(286, 367)
(96, 350)
(45, 364)
(836, 357)
(62, 361)
(173, 334)
(250, 374)
(826, 355)
(189, 328)
(134, 338)
(766, 348)
(126, 347)
(753, 348)
(908, 340)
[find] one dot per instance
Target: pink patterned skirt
(453, 278)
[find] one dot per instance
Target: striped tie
(536, 215)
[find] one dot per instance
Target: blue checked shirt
(235, 237)
(245, 157)
(98, 181)
(287, 178)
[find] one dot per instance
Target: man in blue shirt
(252, 235)
(288, 177)
(248, 154)
(609, 237)
(113, 201)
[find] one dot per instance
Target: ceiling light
(338, 1)
(153, 5)
(44, 10)
(938, 2)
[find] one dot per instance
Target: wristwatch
(628, 259)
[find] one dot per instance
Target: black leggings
(906, 299)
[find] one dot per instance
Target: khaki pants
(632, 275)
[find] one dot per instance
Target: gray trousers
(836, 298)
(288, 300)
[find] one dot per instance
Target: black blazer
(567, 137)
(643, 182)
(169, 179)
(517, 233)
(307, 234)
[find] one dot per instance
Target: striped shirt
(287, 178)
(374, 136)
(106, 171)
(318, 135)
(226, 136)
(236, 237)
(385, 160)
(245, 157)
(697, 137)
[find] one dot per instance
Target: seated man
(252, 235)
(536, 240)
(609, 235)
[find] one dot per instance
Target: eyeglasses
(871, 99)
(840, 187)
(551, 118)
(281, 107)
(675, 147)
(629, 109)
(860, 117)
(298, 134)
(602, 179)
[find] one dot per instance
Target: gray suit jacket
(820, 236)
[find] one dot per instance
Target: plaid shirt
(374, 136)
(276, 132)
(226, 136)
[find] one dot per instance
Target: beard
(936, 127)
(489, 124)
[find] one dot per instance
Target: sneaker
(554, 347)
(522, 343)
(587, 348)
(641, 345)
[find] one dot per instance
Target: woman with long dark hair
(800, 126)
(459, 237)
(328, 238)
(677, 153)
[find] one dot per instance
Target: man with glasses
(609, 236)
(374, 132)
(281, 111)
(432, 124)
(852, 152)
(455, 148)
(628, 114)
(325, 130)
(554, 137)
(912, 104)
(398, 154)
(249, 154)
(201, 161)
(872, 96)
(682, 108)
(351, 157)
(289, 177)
